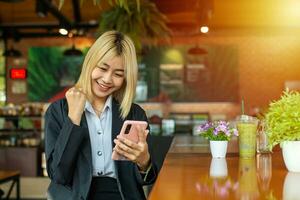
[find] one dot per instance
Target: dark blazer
(69, 160)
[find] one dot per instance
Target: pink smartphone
(130, 131)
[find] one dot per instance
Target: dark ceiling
(20, 19)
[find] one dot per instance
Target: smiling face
(110, 68)
(107, 77)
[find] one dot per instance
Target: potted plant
(218, 133)
(140, 19)
(283, 127)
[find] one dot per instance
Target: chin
(102, 94)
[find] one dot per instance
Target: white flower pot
(218, 167)
(291, 155)
(218, 149)
(291, 186)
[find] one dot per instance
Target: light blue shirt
(100, 136)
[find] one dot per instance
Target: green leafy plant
(140, 19)
(121, 3)
(283, 119)
(144, 23)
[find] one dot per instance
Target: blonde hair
(109, 45)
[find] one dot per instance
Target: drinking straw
(243, 110)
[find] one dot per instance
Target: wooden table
(193, 174)
(14, 176)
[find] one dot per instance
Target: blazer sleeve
(62, 141)
(150, 177)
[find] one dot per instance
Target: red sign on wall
(18, 73)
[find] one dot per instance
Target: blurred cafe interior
(199, 61)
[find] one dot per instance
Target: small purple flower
(218, 130)
(223, 128)
(235, 132)
(208, 125)
(227, 132)
(204, 127)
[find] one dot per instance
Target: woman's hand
(76, 102)
(136, 152)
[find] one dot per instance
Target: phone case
(129, 131)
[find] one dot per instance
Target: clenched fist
(76, 102)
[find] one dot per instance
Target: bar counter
(189, 172)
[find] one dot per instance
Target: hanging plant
(136, 18)
(147, 22)
(121, 3)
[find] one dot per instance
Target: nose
(107, 78)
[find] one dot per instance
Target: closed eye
(119, 75)
(102, 68)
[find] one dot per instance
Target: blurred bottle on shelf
(262, 138)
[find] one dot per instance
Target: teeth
(104, 87)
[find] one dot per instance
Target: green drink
(247, 127)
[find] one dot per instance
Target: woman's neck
(98, 104)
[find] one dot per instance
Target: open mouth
(103, 87)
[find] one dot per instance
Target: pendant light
(72, 51)
(11, 52)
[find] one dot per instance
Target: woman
(81, 130)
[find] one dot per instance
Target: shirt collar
(107, 105)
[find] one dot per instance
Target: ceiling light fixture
(63, 31)
(204, 29)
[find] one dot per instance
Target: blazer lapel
(117, 121)
(86, 146)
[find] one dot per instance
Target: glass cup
(247, 128)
